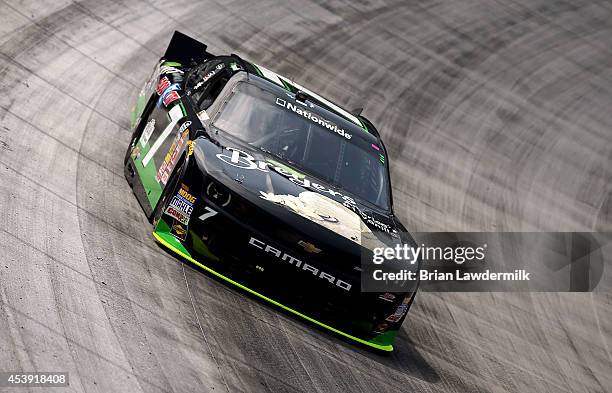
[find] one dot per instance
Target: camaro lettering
(298, 263)
(309, 268)
(290, 259)
(273, 251)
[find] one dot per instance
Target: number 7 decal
(209, 213)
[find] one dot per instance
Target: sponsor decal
(136, 152)
(181, 206)
(169, 69)
(243, 160)
(171, 157)
(167, 92)
(189, 148)
(163, 84)
(298, 264)
(370, 219)
(203, 116)
(179, 231)
(170, 97)
(398, 314)
(184, 192)
(177, 214)
(176, 113)
(315, 118)
(184, 126)
(147, 132)
(281, 81)
(388, 297)
(400, 311)
(207, 77)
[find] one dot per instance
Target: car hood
(272, 184)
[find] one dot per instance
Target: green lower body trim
(170, 242)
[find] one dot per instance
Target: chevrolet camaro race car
(266, 185)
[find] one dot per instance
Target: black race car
(266, 185)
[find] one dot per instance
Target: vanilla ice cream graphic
(324, 211)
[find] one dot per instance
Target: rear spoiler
(184, 49)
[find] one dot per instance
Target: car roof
(281, 84)
(294, 87)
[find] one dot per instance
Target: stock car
(267, 186)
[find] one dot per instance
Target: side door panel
(163, 138)
(166, 132)
(158, 149)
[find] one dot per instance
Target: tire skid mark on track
(312, 384)
(88, 277)
(59, 90)
(72, 342)
(475, 345)
(64, 144)
(40, 25)
(195, 313)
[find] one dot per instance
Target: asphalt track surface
(497, 115)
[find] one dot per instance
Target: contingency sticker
(181, 206)
(179, 231)
(147, 132)
(171, 157)
(176, 113)
(169, 97)
(400, 311)
(163, 84)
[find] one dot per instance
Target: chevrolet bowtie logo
(309, 247)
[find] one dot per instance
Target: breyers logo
(243, 160)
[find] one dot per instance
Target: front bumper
(382, 341)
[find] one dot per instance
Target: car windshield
(317, 142)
